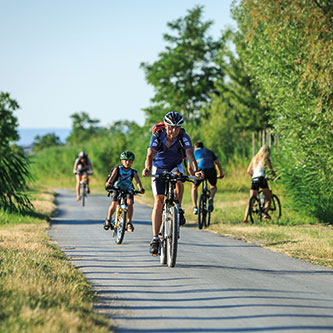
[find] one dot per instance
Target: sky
(66, 56)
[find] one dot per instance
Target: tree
(184, 74)
(13, 162)
(83, 128)
(289, 54)
(45, 141)
(235, 109)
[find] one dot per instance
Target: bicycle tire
(163, 243)
(121, 226)
(83, 195)
(254, 209)
(208, 219)
(275, 207)
(202, 211)
(173, 233)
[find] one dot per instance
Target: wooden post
(259, 140)
(253, 143)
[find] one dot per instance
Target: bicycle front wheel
(275, 208)
(83, 194)
(202, 211)
(255, 212)
(208, 219)
(163, 242)
(121, 226)
(173, 233)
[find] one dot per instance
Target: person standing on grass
(209, 163)
(256, 170)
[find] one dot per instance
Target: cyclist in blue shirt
(165, 154)
(207, 161)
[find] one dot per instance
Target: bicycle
(257, 204)
(120, 224)
(169, 230)
(83, 185)
(203, 212)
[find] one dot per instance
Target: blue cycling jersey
(205, 158)
(169, 158)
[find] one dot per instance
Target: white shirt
(258, 171)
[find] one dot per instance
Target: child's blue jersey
(168, 158)
(125, 178)
(205, 158)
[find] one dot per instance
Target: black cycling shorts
(210, 175)
(259, 182)
(115, 196)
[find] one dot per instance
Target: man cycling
(207, 161)
(82, 164)
(168, 158)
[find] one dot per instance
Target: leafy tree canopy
(289, 54)
(45, 141)
(8, 122)
(184, 74)
(83, 128)
(13, 162)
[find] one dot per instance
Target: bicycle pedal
(154, 254)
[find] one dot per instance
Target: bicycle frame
(203, 213)
(121, 214)
(169, 229)
(257, 205)
(83, 185)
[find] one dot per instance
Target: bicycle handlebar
(172, 176)
(82, 172)
(114, 188)
(273, 179)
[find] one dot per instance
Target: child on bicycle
(122, 178)
(256, 170)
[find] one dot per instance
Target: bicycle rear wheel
(255, 212)
(275, 208)
(173, 233)
(120, 229)
(202, 211)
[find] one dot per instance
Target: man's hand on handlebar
(146, 172)
(200, 174)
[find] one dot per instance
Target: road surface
(218, 285)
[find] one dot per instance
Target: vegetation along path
(218, 284)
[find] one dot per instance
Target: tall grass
(40, 290)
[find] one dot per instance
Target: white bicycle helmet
(173, 119)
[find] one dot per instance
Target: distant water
(27, 135)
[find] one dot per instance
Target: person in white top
(257, 172)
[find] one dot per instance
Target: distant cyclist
(207, 161)
(122, 178)
(165, 154)
(82, 164)
(256, 170)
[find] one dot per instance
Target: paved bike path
(218, 285)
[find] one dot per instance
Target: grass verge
(40, 290)
(294, 234)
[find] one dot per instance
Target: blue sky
(60, 57)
